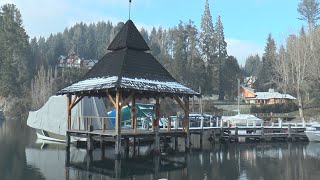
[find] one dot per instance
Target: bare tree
(297, 67)
(42, 87)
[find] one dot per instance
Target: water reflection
(22, 158)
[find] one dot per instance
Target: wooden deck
(127, 133)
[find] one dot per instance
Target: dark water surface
(21, 157)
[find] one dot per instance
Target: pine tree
(180, 53)
(252, 64)
(195, 75)
(266, 75)
(230, 73)
(221, 52)
(16, 61)
(309, 11)
(208, 48)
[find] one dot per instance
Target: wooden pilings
(90, 140)
(118, 125)
(262, 134)
(187, 128)
(156, 127)
(236, 132)
(289, 133)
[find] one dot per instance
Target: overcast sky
(247, 23)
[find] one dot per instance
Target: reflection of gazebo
(127, 73)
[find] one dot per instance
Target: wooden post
(262, 134)
(169, 124)
(68, 111)
(118, 125)
(103, 124)
(236, 134)
(186, 112)
(134, 147)
(289, 133)
(214, 136)
(79, 123)
(201, 138)
(87, 123)
(68, 139)
(156, 128)
(134, 115)
(126, 147)
(89, 139)
(175, 143)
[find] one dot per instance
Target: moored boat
(50, 121)
(313, 132)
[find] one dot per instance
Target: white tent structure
(50, 121)
(242, 120)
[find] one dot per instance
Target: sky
(247, 23)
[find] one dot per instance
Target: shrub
(274, 108)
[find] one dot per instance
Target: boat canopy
(143, 111)
(52, 116)
(242, 119)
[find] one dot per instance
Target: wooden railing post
(79, 123)
(289, 132)
(103, 124)
(262, 134)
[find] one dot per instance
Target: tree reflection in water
(20, 158)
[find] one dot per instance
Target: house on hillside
(73, 60)
(271, 97)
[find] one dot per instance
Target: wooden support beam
(133, 114)
(118, 124)
(157, 137)
(112, 100)
(186, 116)
(76, 100)
(127, 100)
(68, 111)
(179, 102)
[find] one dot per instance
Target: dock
(133, 137)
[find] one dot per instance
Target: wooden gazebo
(126, 73)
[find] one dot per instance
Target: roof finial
(129, 8)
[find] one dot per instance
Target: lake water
(22, 157)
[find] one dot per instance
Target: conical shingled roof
(129, 37)
(128, 66)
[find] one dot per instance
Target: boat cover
(242, 119)
(52, 116)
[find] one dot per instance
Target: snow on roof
(154, 85)
(91, 84)
(128, 83)
(273, 95)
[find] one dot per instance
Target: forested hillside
(29, 73)
(195, 56)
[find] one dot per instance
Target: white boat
(50, 121)
(242, 120)
(313, 132)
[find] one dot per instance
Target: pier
(223, 134)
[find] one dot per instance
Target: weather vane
(129, 8)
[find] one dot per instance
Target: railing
(84, 122)
(99, 123)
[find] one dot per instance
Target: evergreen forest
(195, 56)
